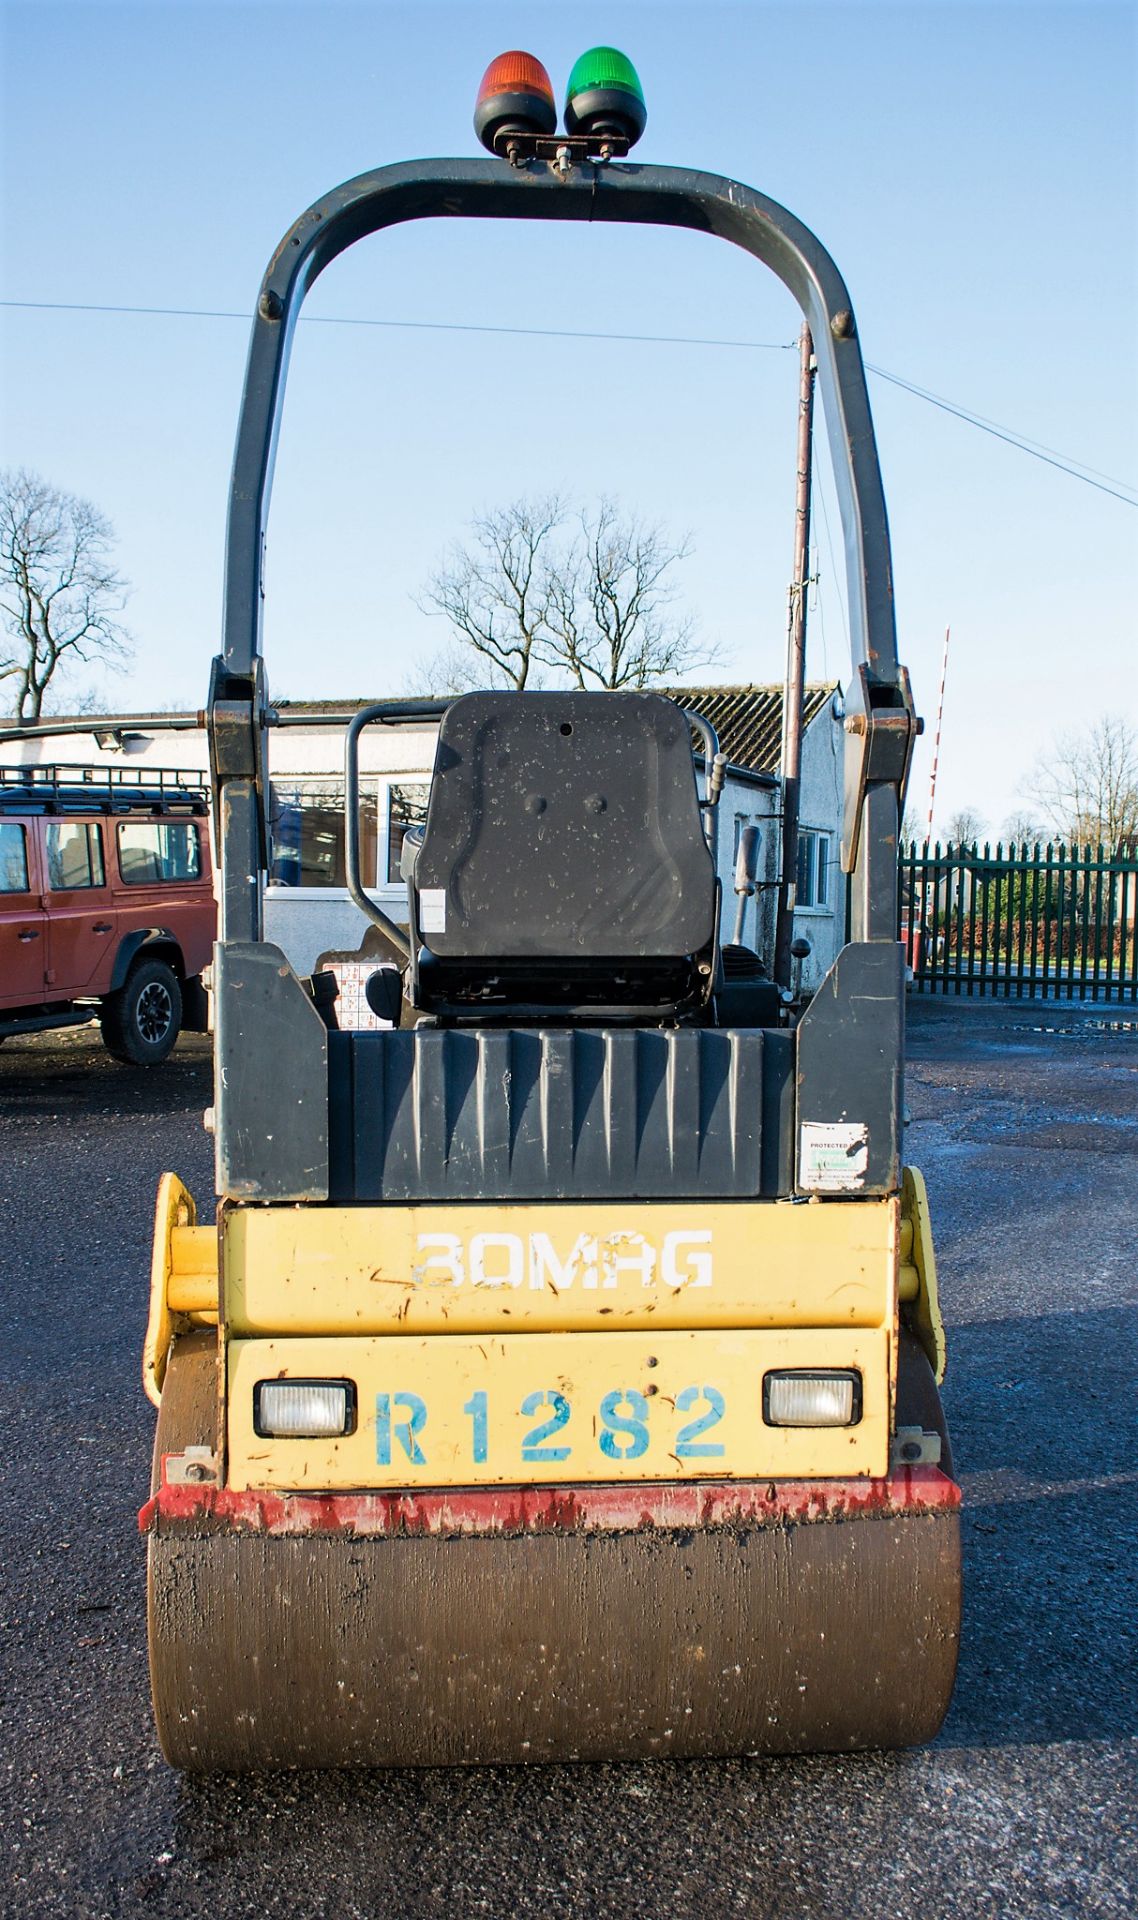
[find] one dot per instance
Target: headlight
(812, 1399)
(303, 1409)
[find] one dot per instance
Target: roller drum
(324, 1651)
(332, 1649)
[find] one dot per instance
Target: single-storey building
(307, 907)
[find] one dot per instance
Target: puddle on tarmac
(1083, 1026)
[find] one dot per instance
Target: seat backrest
(565, 826)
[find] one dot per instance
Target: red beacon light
(516, 97)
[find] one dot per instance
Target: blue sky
(970, 166)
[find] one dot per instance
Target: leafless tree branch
(495, 592)
(612, 622)
(966, 826)
(1086, 785)
(1022, 828)
(593, 607)
(59, 593)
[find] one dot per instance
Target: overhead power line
(1075, 469)
(1065, 463)
(419, 326)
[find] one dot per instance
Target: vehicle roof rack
(61, 788)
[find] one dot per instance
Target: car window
(154, 851)
(13, 858)
(74, 855)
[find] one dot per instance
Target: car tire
(141, 1022)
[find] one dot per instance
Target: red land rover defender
(106, 904)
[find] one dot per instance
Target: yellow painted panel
(927, 1317)
(467, 1269)
(456, 1410)
(174, 1217)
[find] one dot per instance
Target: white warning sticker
(832, 1156)
(433, 910)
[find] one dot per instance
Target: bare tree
(611, 620)
(965, 826)
(495, 593)
(1022, 828)
(59, 593)
(451, 670)
(914, 829)
(594, 607)
(1087, 783)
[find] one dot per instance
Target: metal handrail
(715, 772)
(365, 903)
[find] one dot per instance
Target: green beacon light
(605, 98)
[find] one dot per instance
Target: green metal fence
(1048, 922)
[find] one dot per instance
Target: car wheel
(142, 1020)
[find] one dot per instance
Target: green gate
(1052, 922)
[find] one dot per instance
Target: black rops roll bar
(880, 722)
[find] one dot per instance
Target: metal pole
(795, 665)
(925, 916)
(939, 717)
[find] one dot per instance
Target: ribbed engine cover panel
(557, 1114)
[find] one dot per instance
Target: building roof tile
(748, 719)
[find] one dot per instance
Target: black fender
(158, 942)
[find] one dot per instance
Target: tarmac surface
(1024, 1118)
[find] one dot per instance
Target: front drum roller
(566, 1642)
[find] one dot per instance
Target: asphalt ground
(1024, 1121)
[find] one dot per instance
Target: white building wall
(303, 922)
(745, 805)
(820, 815)
(820, 801)
(306, 922)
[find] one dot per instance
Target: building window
(814, 855)
(306, 829)
(407, 808)
(74, 856)
(159, 853)
(13, 858)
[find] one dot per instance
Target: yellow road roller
(560, 1378)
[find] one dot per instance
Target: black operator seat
(563, 862)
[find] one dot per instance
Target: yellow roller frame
(918, 1270)
(324, 1271)
(459, 1409)
(476, 1308)
(559, 1268)
(183, 1279)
